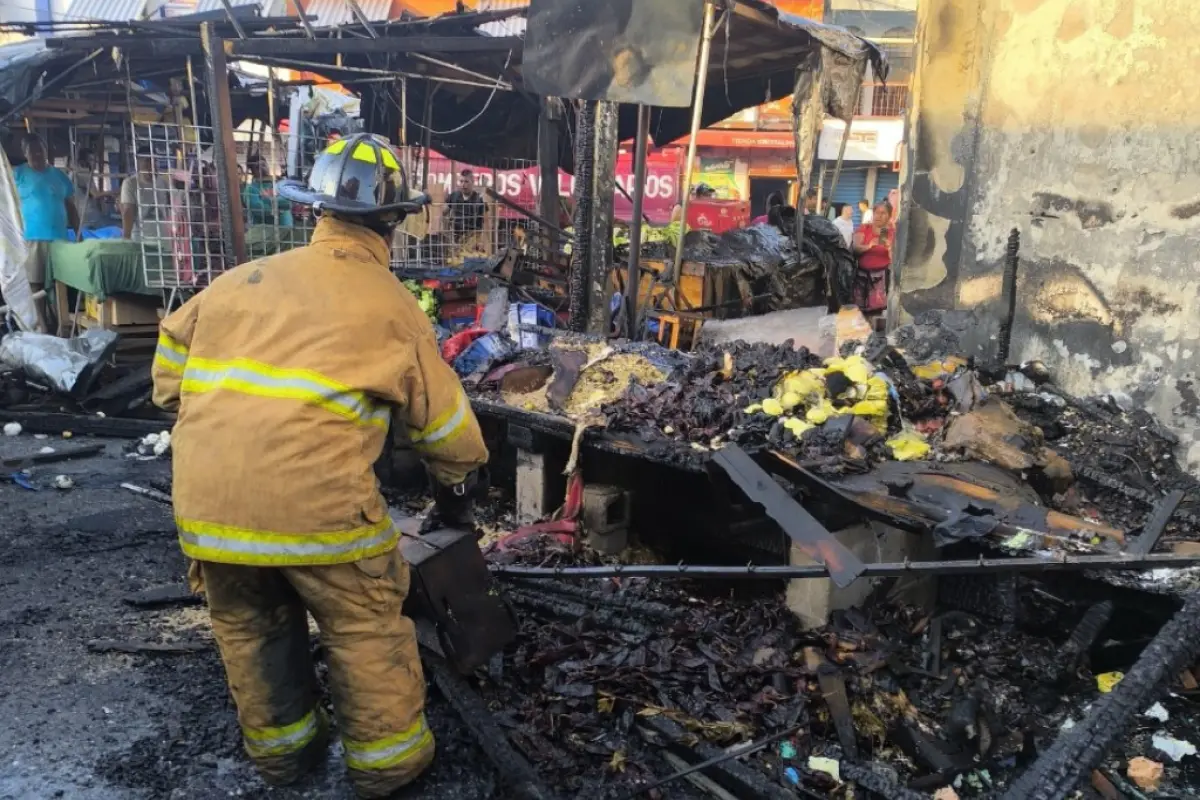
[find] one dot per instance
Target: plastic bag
(64, 365)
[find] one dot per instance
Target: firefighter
(286, 373)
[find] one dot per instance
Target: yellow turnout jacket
(286, 372)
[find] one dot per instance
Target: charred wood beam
(24, 462)
(645, 608)
(1009, 292)
(51, 85)
(740, 780)
(833, 692)
(1083, 637)
(558, 607)
(540, 220)
(56, 423)
(887, 569)
(601, 258)
(801, 527)
(163, 597)
(1068, 762)
(515, 772)
(233, 223)
(1132, 492)
(879, 784)
(1152, 531)
(581, 252)
(393, 44)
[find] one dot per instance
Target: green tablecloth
(100, 267)
(104, 267)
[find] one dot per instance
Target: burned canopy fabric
(623, 51)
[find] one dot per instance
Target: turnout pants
(261, 626)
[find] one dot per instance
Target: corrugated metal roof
(107, 10)
(204, 6)
(505, 27)
(331, 13)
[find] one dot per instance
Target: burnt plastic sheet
(622, 51)
(768, 271)
(65, 365)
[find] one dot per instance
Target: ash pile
(1008, 685)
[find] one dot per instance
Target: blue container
(481, 354)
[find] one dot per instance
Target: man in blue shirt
(47, 206)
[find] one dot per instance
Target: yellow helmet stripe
(336, 147)
(364, 152)
(389, 160)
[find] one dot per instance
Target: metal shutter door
(851, 186)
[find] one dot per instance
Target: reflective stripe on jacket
(286, 373)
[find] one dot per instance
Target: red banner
(523, 186)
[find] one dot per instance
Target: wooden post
(233, 220)
(548, 168)
(603, 195)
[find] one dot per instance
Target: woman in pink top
(873, 246)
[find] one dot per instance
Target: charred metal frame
(884, 569)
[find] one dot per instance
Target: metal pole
(633, 281)
(404, 111)
(233, 222)
(1057, 563)
(362, 18)
(427, 135)
(697, 112)
(191, 77)
(237, 26)
(295, 131)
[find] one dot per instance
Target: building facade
(750, 155)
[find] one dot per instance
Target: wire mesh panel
(273, 224)
(178, 211)
(178, 201)
(463, 221)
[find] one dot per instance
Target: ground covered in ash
(87, 725)
(611, 686)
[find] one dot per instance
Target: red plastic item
(562, 529)
(453, 347)
(717, 216)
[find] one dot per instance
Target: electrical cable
(474, 119)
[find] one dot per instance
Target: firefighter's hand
(454, 506)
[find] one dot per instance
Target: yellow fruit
(818, 414)
(908, 446)
(753, 408)
(857, 369)
(797, 426)
(772, 407)
(870, 408)
(789, 401)
(877, 389)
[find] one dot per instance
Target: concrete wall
(1076, 122)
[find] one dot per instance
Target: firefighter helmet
(358, 177)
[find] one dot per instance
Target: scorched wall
(1078, 123)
